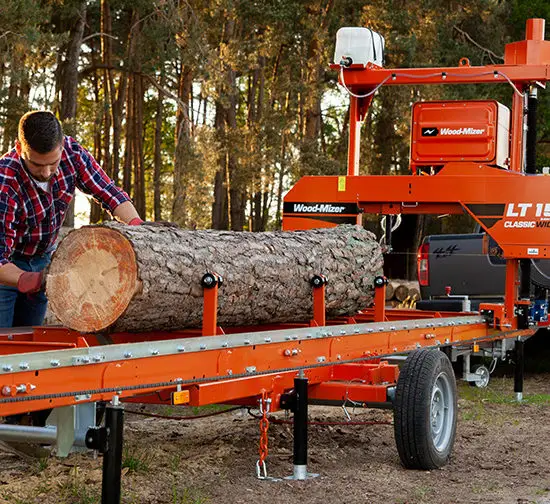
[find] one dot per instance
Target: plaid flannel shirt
(30, 218)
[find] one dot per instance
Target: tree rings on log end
(92, 279)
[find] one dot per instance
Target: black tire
(425, 410)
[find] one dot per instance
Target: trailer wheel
(425, 410)
(482, 377)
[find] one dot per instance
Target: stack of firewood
(402, 293)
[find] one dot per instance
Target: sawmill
(280, 320)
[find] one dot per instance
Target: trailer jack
(296, 401)
(108, 441)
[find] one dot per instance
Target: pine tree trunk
(69, 86)
(144, 278)
(183, 152)
(157, 167)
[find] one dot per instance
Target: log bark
(145, 278)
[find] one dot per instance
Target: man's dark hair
(40, 131)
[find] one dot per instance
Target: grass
(209, 408)
(175, 462)
(70, 490)
(500, 391)
(42, 464)
(187, 496)
(136, 460)
(76, 491)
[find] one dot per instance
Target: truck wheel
(482, 377)
(425, 410)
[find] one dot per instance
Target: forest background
(207, 111)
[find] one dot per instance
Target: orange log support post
(210, 283)
(319, 282)
(380, 283)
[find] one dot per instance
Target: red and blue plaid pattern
(30, 218)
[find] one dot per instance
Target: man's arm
(92, 180)
(126, 212)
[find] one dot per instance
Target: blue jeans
(17, 309)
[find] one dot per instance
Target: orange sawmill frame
(54, 367)
(510, 205)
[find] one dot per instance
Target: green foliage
(262, 108)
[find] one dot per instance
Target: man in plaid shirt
(38, 179)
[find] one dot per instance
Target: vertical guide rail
(516, 146)
(530, 168)
(354, 140)
(511, 288)
(357, 110)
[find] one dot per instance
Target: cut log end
(92, 279)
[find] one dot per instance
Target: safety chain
(265, 405)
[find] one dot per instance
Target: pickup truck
(457, 272)
(466, 265)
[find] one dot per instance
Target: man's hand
(138, 222)
(31, 282)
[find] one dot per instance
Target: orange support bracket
(380, 283)
(210, 283)
(319, 282)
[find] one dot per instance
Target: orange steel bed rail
(41, 380)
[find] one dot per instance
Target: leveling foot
(300, 473)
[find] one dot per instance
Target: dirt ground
(501, 455)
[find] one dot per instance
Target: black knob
(380, 281)
(318, 281)
(209, 280)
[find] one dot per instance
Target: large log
(143, 278)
